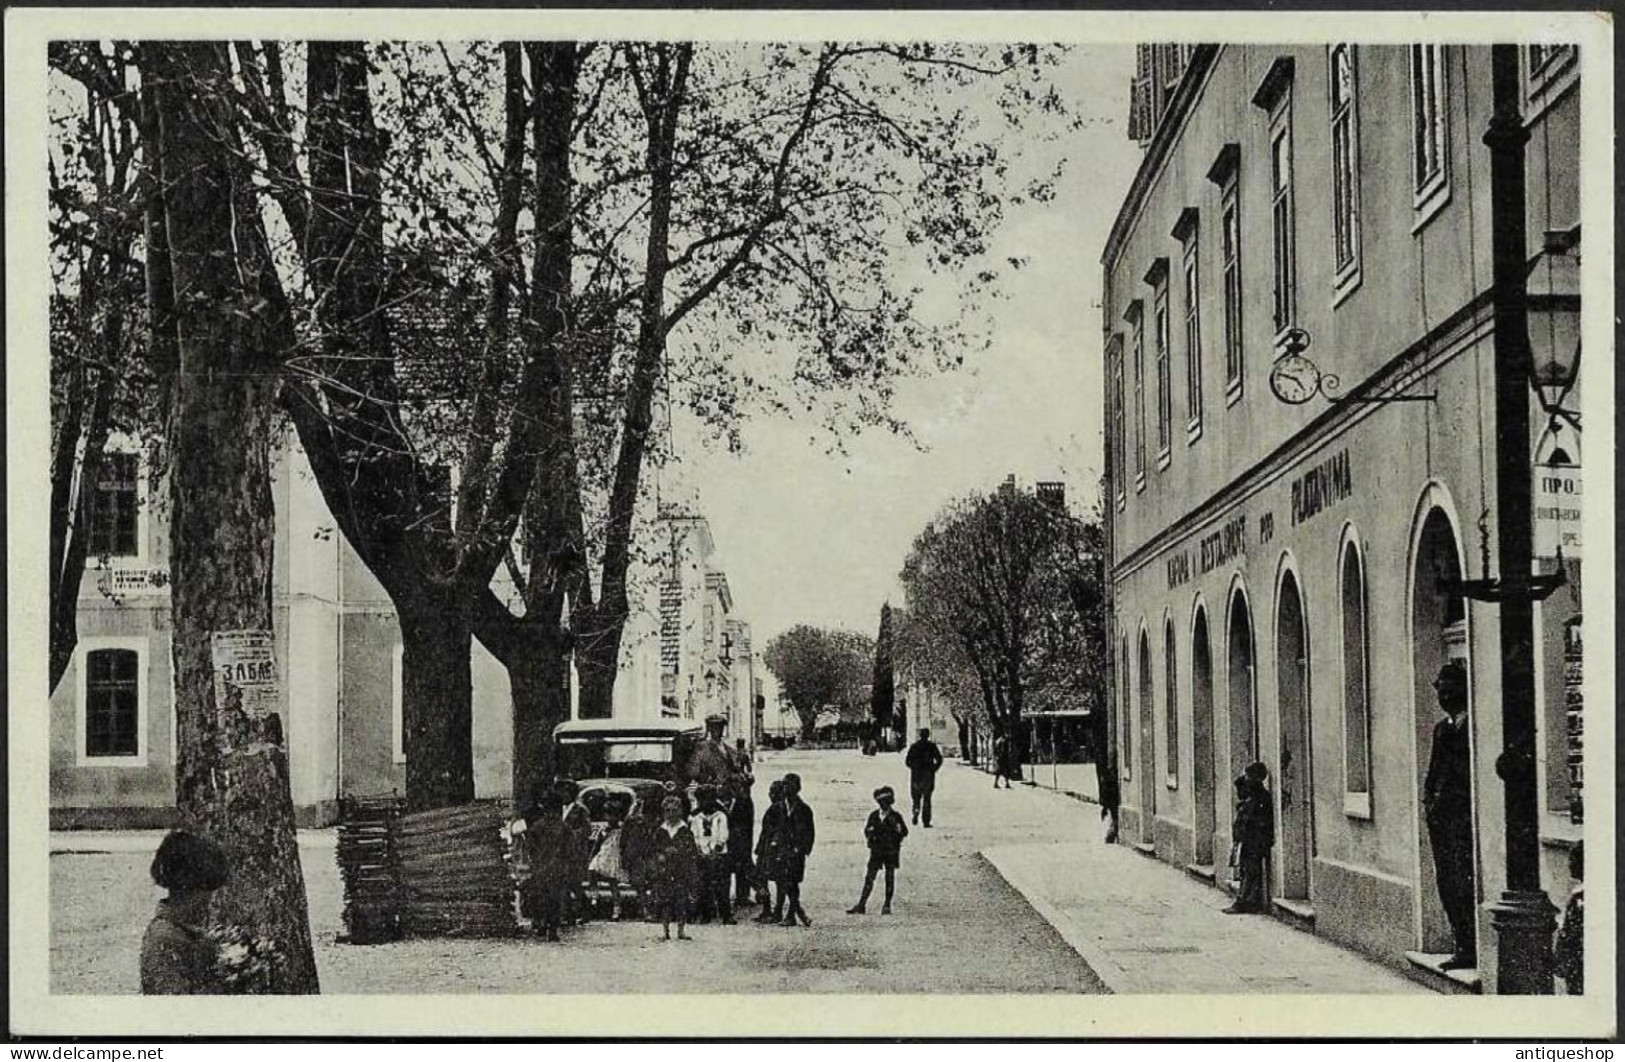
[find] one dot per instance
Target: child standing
(608, 864)
(769, 846)
(710, 826)
(547, 859)
(884, 831)
(1254, 833)
(676, 868)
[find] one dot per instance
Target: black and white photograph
(873, 523)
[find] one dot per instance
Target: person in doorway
(710, 827)
(675, 875)
(1568, 953)
(798, 836)
(884, 833)
(178, 957)
(923, 761)
(1447, 800)
(1254, 831)
(1001, 761)
(769, 849)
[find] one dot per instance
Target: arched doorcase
(1295, 781)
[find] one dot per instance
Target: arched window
(1171, 703)
(1356, 689)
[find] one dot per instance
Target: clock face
(1294, 379)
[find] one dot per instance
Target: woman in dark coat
(769, 845)
(178, 957)
(676, 868)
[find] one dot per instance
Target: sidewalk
(1145, 927)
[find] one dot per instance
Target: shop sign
(1557, 510)
(1225, 544)
(1321, 487)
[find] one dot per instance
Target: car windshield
(606, 758)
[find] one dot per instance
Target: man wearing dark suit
(798, 838)
(924, 759)
(1447, 797)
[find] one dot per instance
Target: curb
(1112, 976)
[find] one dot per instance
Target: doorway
(1148, 745)
(1243, 707)
(1202, 766)
(1295, 786)
(1438, 635)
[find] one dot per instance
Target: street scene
(554, 513)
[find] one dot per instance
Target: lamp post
(1523, 917)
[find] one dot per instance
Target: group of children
(680, 854)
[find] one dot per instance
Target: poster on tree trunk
(246, 661)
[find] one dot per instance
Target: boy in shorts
(884, 831)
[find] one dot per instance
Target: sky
(809, 537)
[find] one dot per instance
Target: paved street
(958, 928)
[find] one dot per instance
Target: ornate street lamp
(1553, 302)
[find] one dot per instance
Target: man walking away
(884, 833)
(798, 835)
(1254, 837)
(1001, 761)
(1448, 799)
(924, 759)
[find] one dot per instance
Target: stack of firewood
(454, 873)
(369, 866)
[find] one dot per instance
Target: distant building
(1277, 557)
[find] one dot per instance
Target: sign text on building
(1321, 487)
(1557, 510)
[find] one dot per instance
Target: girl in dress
(608, 864)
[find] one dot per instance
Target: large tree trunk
(437, 697)
(597, 660)
(539, 677)
(77, 456)
(232, 778)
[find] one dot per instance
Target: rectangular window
(1430, 164)
(112, 703)
(1119, 439)
(1345, 167)
(115, 509)
(1282, 220)
(1230, 263)
(1193, 340)
(1165, 383)
(1139, 404)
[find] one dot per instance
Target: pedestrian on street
(178, 957)
(710, 826)
(676, 868)
(744, 764)
(769, 855)
(548, 859)
(1568, 954)
(578, 826)
(1254, 836)
(608, 864)
(1106, 782)
(884, 833)
(798, 836)
(1447, 797)
(1001, 761)
(923, 761)
(741, 833)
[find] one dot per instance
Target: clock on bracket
(1294, 379)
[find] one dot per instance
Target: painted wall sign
(1557, 510)
(1224, 545)
(1179, 569)
(1321, 487)
(246, 661)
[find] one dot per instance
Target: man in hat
(884, 833)
(1447, 797)
(711, 763)
(923, 761)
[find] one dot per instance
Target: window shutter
(1141, 116)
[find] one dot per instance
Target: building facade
(339, 652)
(1278, 545)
